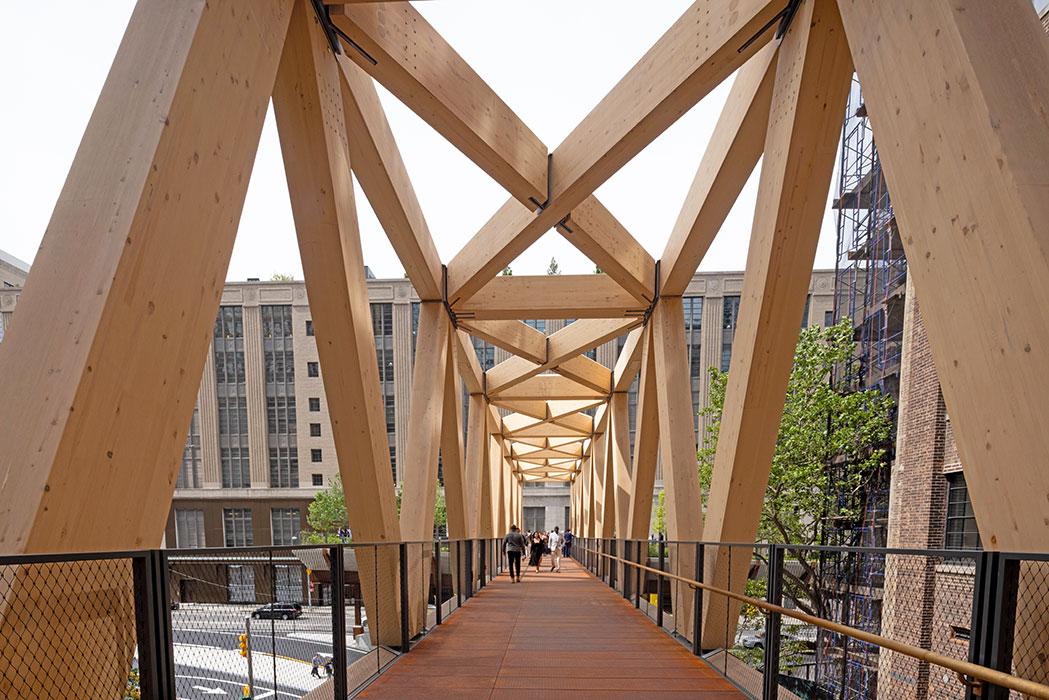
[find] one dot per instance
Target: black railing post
(613, 565)
(156, 662)
(483, 561)
(659, 581)
(697, 603)
(402, 550)
(469, 555)
(994, 617)
(459, 573)
(337, 556)
(637, 581)
(626, 569)
(774, 595)
(438, 582)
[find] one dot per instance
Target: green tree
(282, 277)
(661, 514)
(440, 514)
(507, 272)
(326, 515)
(598, 270)
(820, 426)
(553, 268)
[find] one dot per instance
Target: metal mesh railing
(780, 622)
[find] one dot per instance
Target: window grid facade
(189, 472)
(285, 524)
(693, 307)
(382, 327)
(232, 397)
(279, 359)
(960, 531)
(729, 317)
(237, 527)
(189, 529)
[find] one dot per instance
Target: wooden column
(965, 152)
(103, 359)
(812, 81)
(310, 123)
(419, 491)
(677, 447)
(646, 445)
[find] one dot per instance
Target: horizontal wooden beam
(549, 297)
(550, 430)
(548, 387)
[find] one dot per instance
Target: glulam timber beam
(564, 349)
(728, 161)
(548, 387)
(377, 163)
(549, 430)
(646, 445)
(420, 68)
(966, 163)
(467, 363)
(628, 364)
(619, 408)
(811, 85)
(702, 48)
(89, 449)
(549, 297)
(515, 337)
(401, 50)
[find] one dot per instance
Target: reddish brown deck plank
(563, 635)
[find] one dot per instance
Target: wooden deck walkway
(563, 635)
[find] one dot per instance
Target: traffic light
(243, 645)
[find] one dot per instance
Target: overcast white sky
(551, 61)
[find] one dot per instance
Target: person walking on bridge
(514, 544)
(555, 549)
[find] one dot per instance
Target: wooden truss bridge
(102, 362)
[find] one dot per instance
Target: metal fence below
(301, 621)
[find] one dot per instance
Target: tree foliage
(282, 277)
(327, 514)
(660, 526)
(507, 272)
(553, 268)
(820, 427)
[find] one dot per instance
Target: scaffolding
(871, 275)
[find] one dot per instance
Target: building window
(241, 583)
(382, 327)
(485, 353)
(539, 325)
(313, 369)
(189, 529)
(316, 455)
(318, 480)
(315, 429)
(315, 404)
(693, 308)
(285, 525)
(729, 317)
(189, 472)
(279, 359)
(805, 314)
(393, 460)
(828, 319)
(232, 397)
(309, 327)
(237, 527)
(960, 532)
(288, 583)
(416, 307)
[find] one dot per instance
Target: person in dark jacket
(514, 544)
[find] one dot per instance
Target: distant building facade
(259, 444)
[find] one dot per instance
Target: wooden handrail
(964, 669)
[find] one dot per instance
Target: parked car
(752, 640)
(278, 611)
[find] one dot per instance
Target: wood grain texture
(549, 297)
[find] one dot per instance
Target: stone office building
(259, 445)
